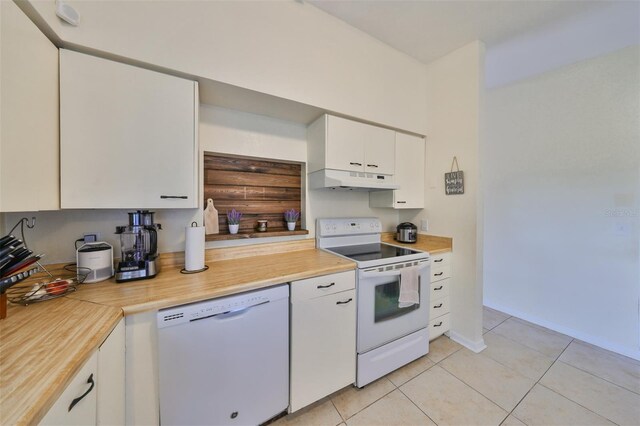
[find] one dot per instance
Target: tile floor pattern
(528, 375)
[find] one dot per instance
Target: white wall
(454, 97)
(588, 35)
(289, 49)
(562, 172)
(223, 131)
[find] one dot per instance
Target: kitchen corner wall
(454, 103)
(223, 131)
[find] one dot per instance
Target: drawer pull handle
(355, 164)
(438, 288)
(401, 202)
(372, 165)
(78, 399)
(182, 197)
(326, 286)
(345, 302)
(438, 260)
(438, 324)
(438, 306)
(438, 274)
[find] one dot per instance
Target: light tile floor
(527, 375)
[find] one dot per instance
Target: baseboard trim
(475, 346)
(585, 337)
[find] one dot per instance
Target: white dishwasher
(225, 361)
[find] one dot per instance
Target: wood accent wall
(259, 189)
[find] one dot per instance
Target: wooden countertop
(224, 277)
(42, 346)
(431, 243)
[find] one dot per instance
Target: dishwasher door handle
(231, 313)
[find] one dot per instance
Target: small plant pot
(233, 229)
(291, 226)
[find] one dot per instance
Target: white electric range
(388, 336)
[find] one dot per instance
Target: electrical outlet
(424, 224)
(91, 237)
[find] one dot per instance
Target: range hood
(351, 181)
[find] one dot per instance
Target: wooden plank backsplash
(260, 189)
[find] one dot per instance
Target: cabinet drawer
(439, 307)
(438, 326)
(321, 286)
(440, 259)
(439, 289)
(440, 272)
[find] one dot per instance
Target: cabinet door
(323, 347)
(29, 165)
(128, 136)
(111, 361)
(379, 150)
(345, 144)
(410, 161)
(84, 411)
(409, 174)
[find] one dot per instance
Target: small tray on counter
(39, 288)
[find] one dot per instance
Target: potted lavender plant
(233, 220)
(291, 217)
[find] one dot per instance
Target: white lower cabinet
(111, 371)
(323, 337)
(96, 393)
(439, 311)
(78, 403)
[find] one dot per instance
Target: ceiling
(429, 29)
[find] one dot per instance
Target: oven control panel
(348, 226)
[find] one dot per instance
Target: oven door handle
(375, 273)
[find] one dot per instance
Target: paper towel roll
(194, 248)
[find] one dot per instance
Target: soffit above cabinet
(297, 71)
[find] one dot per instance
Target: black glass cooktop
(372, 251)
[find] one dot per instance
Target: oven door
(380, 320)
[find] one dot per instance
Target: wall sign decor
(454, 181)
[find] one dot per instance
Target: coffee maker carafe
(139, 247)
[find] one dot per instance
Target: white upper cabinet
(379, 152)
(128, 136)
(410, 175)
(29, 136)
(341, 144)
(344, 144)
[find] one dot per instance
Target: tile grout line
(578, 404)
(533, 349)
(598, 377)
(537, 382)
(412, 401)
(366, 406)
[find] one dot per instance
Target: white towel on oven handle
(409, 287)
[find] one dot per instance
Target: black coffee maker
(139, 247)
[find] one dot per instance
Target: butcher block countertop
(430, 243)
(42, 346)
(224, 277)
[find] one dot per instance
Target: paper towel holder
(185, 271)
